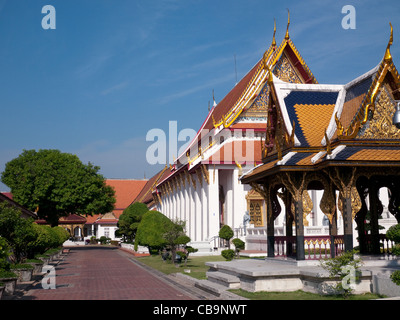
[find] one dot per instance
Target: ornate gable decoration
(380, 126)
(373, 118)
(275, 58)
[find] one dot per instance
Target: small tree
(393, 234)
(346, 267)
(4, 253)
(228, 254)
(151, 230)
(226, 233)
(130, 219)
(239, 245)
(16, 230)
(174, 236)
(189, 250)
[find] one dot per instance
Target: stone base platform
(283, 275)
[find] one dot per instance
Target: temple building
(202, 186)
(341, 140)
(288, 163)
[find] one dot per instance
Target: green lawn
(196, 265)
(299, 295)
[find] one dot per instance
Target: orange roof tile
(125, 192)
(376, 154)
(314, 120)
(146, 196)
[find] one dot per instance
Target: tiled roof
(312, 121)
(225, 105)
(125, 192)
(381, 154)
(146, 196)
(8, 197)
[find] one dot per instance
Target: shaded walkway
(104, 273)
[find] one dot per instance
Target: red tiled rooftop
(125, 192)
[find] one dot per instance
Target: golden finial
(328, 144)
(388, 55)
(240, 168)
(273, 37)
(287, 28)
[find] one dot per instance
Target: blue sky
(114, 69)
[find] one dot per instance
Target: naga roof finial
(287, 28)
(273, 37)
(388, 55)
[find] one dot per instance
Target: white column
(192, 200)
(213, 203)
(229, 199)
(239, 200)
(204, 211)
(187, 208)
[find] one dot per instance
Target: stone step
(211, 287)
(225, 279)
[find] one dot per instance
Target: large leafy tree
(56, 184)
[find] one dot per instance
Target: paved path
(96, 273)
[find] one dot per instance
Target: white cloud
(115, 88)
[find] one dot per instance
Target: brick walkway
(98, 273)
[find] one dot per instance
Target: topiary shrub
(228, 254)
(239, 245)
(393, 233)
(396, 250)
(395, 276)
(226, 233)
(151, 229)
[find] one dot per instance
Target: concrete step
(211, 287)
(225, 279)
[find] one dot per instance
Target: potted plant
(239, 245)
(44, 258)
(2, 287)
(9, 279)
(37, 265)
(23, 271)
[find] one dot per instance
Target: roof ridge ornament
(273, 37)
(287, 28)
(388, 55)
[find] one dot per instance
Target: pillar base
(300, 253)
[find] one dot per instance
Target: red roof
(8, 194)
(125, 192)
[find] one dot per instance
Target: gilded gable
(285, 71)
(380, 126)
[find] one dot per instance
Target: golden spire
(388, 55)
(287, 28)
(273, 37)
